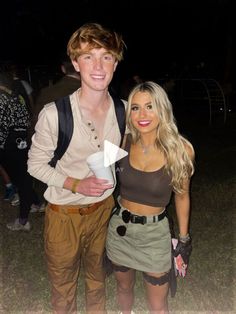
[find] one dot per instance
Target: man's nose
(98, 64)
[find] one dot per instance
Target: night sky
(161, 36)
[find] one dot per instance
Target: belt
(136, 219)
(76, 209)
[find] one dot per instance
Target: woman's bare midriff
(140, 209)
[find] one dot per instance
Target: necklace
(146, 148)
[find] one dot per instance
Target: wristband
(185, 238)
(74, 185)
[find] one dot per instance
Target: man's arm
(42, 149)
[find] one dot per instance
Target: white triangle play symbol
(112, 153)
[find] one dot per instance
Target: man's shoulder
(49, 105)
(48, 112)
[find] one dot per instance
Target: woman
(160, 161)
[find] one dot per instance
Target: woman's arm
(182, 205)
(182, 201)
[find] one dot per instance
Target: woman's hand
(184, 249)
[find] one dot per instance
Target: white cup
(96, 164)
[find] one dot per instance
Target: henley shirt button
(89, 123)
(98, 146)
(95, 137)
(92, 130)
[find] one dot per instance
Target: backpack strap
(120, 114)
(66, 124)
(65, 128)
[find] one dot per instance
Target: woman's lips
(144, 123)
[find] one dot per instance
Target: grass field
(210, 284)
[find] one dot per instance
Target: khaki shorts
(145, 247)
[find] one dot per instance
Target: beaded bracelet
(185, 238)
(74, 185)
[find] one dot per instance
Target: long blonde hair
(168, 139)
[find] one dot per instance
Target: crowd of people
(83, 220)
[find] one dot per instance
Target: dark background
(162, 36)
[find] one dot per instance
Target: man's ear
(115, 65)
(76, 65)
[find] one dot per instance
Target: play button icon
(112, 153)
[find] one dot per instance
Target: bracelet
(74, 185)
(185, 238)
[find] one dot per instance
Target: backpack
(66, 124)
(19, 90)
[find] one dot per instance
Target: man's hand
(184, 249)
(93, 186)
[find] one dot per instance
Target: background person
(66, 85)
(160, 161)
(10, 189)
(79, 204)
(22, 88)
(14, 124)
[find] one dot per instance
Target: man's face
(96, 67)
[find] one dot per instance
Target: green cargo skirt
(144, 247)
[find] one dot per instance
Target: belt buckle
(138, 219)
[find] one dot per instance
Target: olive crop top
(148, 188)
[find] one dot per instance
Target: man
(79, 204)
(66, 85)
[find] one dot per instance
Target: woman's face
(143, 117)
